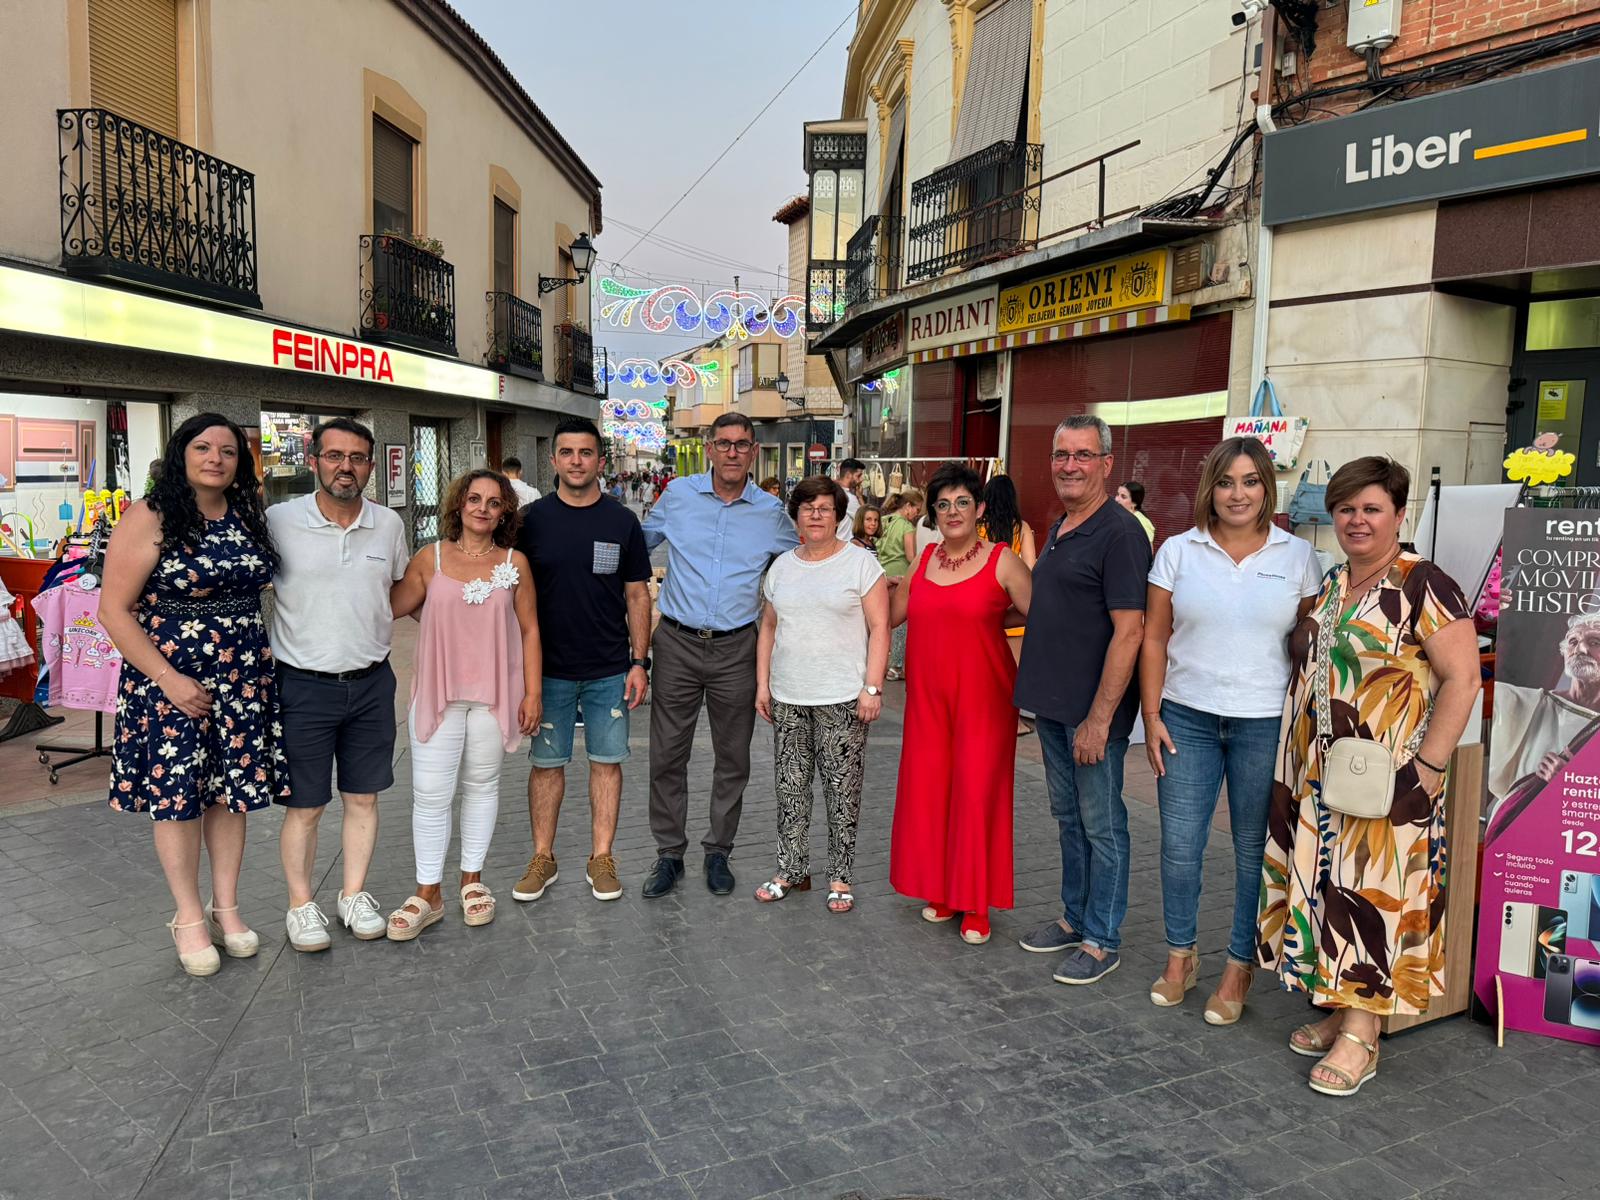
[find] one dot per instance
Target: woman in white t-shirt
(820, 663)
(1222, 601)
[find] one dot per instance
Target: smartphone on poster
(1580, 897)
(1558, 990)
(1585, 1004)
(1551, 939)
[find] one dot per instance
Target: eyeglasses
(724, 446)
(1082, 457)
(336, 458)
(818, 510)
(959, 504)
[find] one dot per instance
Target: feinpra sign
(1528, 129)
(330, 356)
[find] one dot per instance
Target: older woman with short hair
(821, 654)
(1352, 908)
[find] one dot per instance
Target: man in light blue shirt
(721, 532)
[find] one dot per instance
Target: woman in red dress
(952, 815)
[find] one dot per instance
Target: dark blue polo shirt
(1080, 579)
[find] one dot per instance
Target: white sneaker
(308, 928)
(361, 916)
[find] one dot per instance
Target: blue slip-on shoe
(1083, 967)
(1049, 938)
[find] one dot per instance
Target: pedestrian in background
(868, 525)
(1131, 496)
(820, 660)
(590, 569)
(897, 550)
(1004, 526)
(476, 690)
(951, 843)
(339, 554)
(721, 531)
(1352, 908)
(1085, 628)
(1222, 601)
(511, 465)
(197, 742)
(772, 486)
(851, 472)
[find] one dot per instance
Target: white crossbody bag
(1357, 773)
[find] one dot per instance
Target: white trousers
(465, 747)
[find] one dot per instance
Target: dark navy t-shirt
(1101, 566)
(581, 557)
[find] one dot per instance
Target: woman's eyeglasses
(959, 504)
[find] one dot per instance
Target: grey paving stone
(600, 1174)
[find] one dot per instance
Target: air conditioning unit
(1373, 25)
(991, 377)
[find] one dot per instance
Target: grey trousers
(721, 672)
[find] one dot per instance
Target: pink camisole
(469, 651)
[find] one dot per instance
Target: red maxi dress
(952, 812)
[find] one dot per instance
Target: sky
(649, 92)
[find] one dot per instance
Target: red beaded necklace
(946, 563)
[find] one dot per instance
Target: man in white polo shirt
(338, 554)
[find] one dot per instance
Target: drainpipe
(1262, 283)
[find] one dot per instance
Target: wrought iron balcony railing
(407, 295)
(978, 208)
(142, 206)
(574, 358)
(825, 293)
(516, 335)
(872, 260)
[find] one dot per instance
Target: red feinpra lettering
(385, 371)
(282, 345)
(349, 358)
(302, 352)
(328, 357)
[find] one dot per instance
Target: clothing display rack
(93, 565)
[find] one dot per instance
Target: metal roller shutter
(133, 60)
(997, 78)
(897, 143)
(391, 178)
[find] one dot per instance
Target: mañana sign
(1124, 284)
(1532, 128)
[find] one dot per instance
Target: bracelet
(1426, 763)
(163, 674)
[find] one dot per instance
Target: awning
(997, 78)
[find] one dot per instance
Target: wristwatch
(640, 662)
(872, 691)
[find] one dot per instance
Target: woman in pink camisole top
(475, 690)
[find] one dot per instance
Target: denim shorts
(605, 721)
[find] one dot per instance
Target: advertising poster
(394, 476)
(1539, 915)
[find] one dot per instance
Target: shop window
(1564, 324)
(287, 468)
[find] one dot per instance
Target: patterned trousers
(823, 738)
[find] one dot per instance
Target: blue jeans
(1087, 805)
(605, 721)
(1242, 750)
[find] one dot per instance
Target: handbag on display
(1308, 505)
(1357, 773)
(1280, 433)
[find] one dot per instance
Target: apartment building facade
(280, 211)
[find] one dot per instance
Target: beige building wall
(34, 82)
(1378, 361)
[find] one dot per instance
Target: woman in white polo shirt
(1222, 601)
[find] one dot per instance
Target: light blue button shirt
(717, 550)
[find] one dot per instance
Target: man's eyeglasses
(724, 446)
(959, 504)
(335, 458)
(1082, 457)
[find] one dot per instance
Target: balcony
(872, 260)
(141, 206)
(574, 358)
(974, 210)
(407, 294)
(516, 336)
(825, 289)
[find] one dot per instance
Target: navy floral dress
(202, 609)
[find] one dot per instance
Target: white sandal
(405, 926)
(774, 890)
(1351, 1083)
(845, 898)
(476, 895)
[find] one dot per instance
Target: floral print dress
(202, 609)
(1352, 910)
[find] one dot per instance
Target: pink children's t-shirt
(82, 663)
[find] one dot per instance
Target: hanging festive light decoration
(674, 372)
(743, 313)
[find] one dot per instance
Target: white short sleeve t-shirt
(820, 656)
(1228, 654)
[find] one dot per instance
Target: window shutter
(391, 178)
(997, 78)
(505, 226)
(897, 145)
(133, 61)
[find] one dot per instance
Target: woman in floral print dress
(197, 733)
(1352, 910)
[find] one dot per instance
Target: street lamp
(582, 251)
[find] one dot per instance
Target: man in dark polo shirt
(590, 570)
(1084, 630)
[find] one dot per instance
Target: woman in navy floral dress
(197, 734)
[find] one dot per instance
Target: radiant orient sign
(329, 356)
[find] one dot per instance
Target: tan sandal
(1163, 992)
(476, 895)
(1315, 1046)
(404, 925)
(1352, 1084)
(200, 963)
(1227, 1012)
(238, 945)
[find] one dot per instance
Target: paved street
(696, 1046)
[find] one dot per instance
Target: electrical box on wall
(1374, 24)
